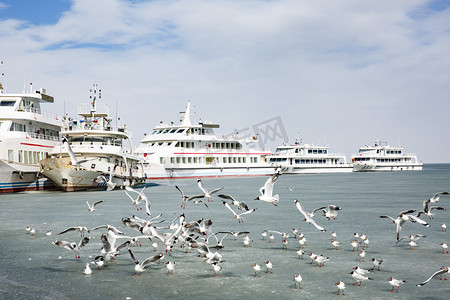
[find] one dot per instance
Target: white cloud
(345, 72)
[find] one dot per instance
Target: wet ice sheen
(31, 268)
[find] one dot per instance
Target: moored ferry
(95, 153)
(382, 157)
(308, 159)
(27, 135)
(187, 150)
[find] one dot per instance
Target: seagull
(108, 227)
(444, 227)
(185, 198)
(207, 194)
(170, 267)
(92, 207)
(361, 271)
(428, 211)
(73, 246)
(362, 254)
(110, 185)
(238, 216)
(412, 245)
(435, 198)
(403, 217)
(297, 279)
(141, 197)
(443, 271)
(49, 232)
(73, 159)
(264, 235)
(240, 204)
(331, 212)
(444, 248)
(216, 269)
(335, 244)
(320, 260)
(341, 287)
(257, 269)
(235, 234)
(395, 283)
(87, 270)
(99, 261)
(355, 245)
(300, 253)
(80, 229)
(140, 267)
(267, 191)
(376, 263)
(413, 237)
(308, 218)
(269, 267)
(359, 278)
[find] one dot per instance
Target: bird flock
(159, 237)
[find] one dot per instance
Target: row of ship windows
(208, 160)
(221, 145)
(201, 131)
(26, 157)
(300, 161)
(359, 159)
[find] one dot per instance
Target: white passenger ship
(96, 152)
(308, 159)
(27, 134)
(191, 150)
(382, 157)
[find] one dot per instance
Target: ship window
(195, 160)
(173, 130)
(10, 156)
(162, 160)
(154, 131)
(244, 160)
(7, 103)
(184, 160)
(30, 157)
(189, 160)
(21, 156)
(180, 130)
(178, 160)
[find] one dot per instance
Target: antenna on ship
(2, 75)
(96, 94)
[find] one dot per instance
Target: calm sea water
(33, 268)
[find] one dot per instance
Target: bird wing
(440, 272)
(437, 208)
(83, 242)
(123, 245)
(440, 193)
(388, 217)
(215, 190)
(200, 185)
(129, 196)
(247, 212)
(274, 231)
(182, 194)
(333, 207)
(147, 207)
(229, 207)
(301, 209)
(132, 256)
(224, 196)
(418, 220)
(98, 202)
(106, 244)
(406, 212)
(317, 225)
(68, 229)
(195, 197)
(316, 209)
(425, 204)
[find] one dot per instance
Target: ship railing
(42, 136)
(38, 111)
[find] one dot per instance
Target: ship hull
(15, 178)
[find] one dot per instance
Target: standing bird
(376, 263)
(257, 268)
(216, 269)
(444, 227)
(443, 271)
(206, 194)
(87, 270)
(444, 248)
(359, 278)
(297, 280)
(341, 287)
(395, 283)
(170, 267)
(267, 191)
(269, 267)
(92, 207)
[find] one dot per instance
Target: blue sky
(341, 76)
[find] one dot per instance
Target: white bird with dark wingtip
(267, 191)
(376, 263)
(359, 278)
(435, 198)
(80, 229)
(140, 267)
(443, 271)
(331, 212)
(87, 270)
(92, 207)
(239, 204)
(341, 287)
(207, 194)
(307, 216)
(403, 217)
(73, 246)
(238, 216)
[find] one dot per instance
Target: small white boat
(95, 154)
(382, 157)
(189, 150)
(308, 159)
(27, 134)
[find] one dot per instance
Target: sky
(336, 73)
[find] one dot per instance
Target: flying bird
(267, 190)
(307, 216)
(443, 271)
(238, 216)
(92, 207)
